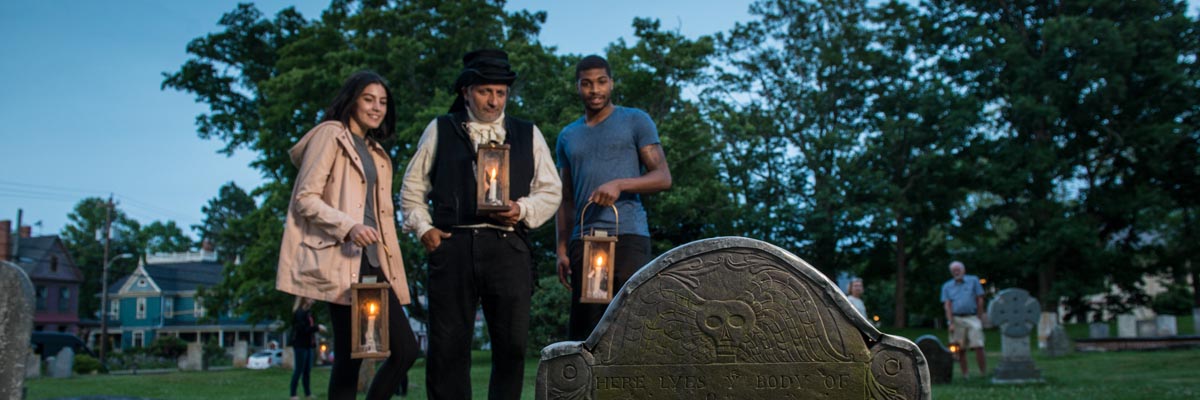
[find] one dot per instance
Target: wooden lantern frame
(599, 262)
(491, 169)
(361, 296)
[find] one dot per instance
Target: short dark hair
(592, 62)
(346, 103)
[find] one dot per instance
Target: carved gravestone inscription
(1016, 313)
(16, 325)
(732, 318)
(938, 357)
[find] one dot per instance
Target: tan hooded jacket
(328, 198)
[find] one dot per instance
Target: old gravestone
(732, 318)
(63, 363)
(1098, 330)
(33, 365)
(16, 326)
(240, 353)
(1016, 313)
(1127, 326)
(938, 358)
(1058, 343)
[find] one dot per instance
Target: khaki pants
(968, 331)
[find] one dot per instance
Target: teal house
(160, 299)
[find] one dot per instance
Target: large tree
(164, 237)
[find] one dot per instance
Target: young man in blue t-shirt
(608, 157)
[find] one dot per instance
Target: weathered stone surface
(939, 359)
(1016, 313)
(1147, 328)
(1098, 330)
(1046, 323)
(63, 364)
(194, 359)
(1166, 325)
(1196, 321)
(1127, 326)
(732, 318)
(16, 326)
(33, 365)
(240, 353)
(1058, 343)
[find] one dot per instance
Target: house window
(142, 282)
(53, 263)
(139, 339)
(64, 299)
(198, 307)
(141, 308)
(42, 294)
(114, 309)
(168, 307)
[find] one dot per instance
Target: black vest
(453, 178)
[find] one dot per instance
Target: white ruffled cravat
(485, 132)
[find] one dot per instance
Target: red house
(55, 277)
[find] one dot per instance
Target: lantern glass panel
(599, 250)
(370, 320)
(491, 177)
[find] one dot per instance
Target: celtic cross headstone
(732, 319)
(1016, 312)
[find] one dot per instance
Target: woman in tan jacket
(341, 227)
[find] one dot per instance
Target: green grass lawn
(1121, 375)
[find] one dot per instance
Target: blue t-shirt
(598, 154)
(962, 295)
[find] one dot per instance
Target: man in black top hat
(478, 258)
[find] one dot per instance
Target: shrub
(168, 347)
(85, 364)
(1177, 300)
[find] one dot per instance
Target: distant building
(55, 277)
(159, 299)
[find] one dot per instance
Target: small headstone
(1147, 328)
(16, 326)
(289, 355)
(939, 359)
(1196, 321)
(1098, 330)
(1058, 344)
(365, 374)
(732, 318)
(194, 359)
(1016, 313)
(33, 365)
(240, 353)
(1046, 323)
(1127, 326)
(63, 363)
(1166, 325)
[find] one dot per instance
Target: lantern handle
(616, 215)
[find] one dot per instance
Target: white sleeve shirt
(545, 191)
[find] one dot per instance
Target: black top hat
(483, 66)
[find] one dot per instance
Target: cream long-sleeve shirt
(545, 191)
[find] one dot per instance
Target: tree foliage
(1051, 146)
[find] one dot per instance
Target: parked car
(48, 344)
(265, 359)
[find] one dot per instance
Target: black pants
(343, 379)
(477, 267)
(633, 252)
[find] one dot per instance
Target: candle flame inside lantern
(372, 309)
(599, 261)
(492, 173)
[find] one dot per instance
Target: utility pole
(104, 281)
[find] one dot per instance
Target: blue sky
(86, 117)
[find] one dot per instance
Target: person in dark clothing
(303, 341)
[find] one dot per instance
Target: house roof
(176, 277)
(34, 255)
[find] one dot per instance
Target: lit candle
(372, 311)
(598, 277)
(491, 197)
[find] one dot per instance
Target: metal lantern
(599, 255)
(369, 313)
(491, 178)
